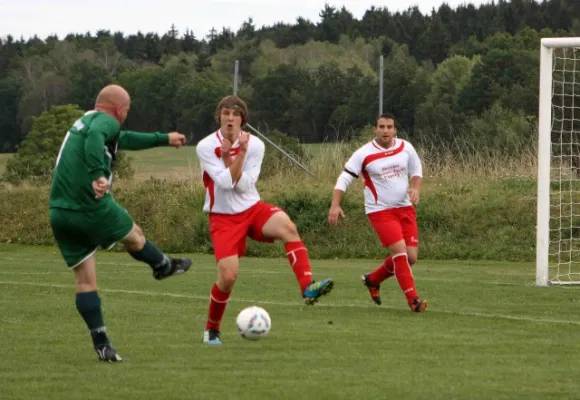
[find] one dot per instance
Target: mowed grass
(165, 163)
(179, 164)
(169, 163)
(488, 333)
(160, 162)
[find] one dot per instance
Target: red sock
(383, 271)
(405, 276)
(298, 259)
(218, 301)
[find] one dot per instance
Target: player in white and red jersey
(231, 161)
(386, 163)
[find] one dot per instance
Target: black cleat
(108, 353)
(178, 266)
(418, 305)
(374, 290)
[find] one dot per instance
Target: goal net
(558, 219)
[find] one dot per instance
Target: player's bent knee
(290, 229)
(412, 254)
(227, 272)
(281, 227)
(288, 232)
(291, 226)
(135, 240)
(227, 280)
(398, 247)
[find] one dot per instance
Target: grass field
(167, 162)
(164, 163)
(488, 333)
(160, 162)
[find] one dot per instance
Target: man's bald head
(113, 95)
(114, 100)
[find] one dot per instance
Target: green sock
(151, 255)
(89, 306)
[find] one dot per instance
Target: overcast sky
(29, 17)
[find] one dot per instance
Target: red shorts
(396, 224)
(229, 231)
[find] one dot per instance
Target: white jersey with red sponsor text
(222, 195)
(386, 173)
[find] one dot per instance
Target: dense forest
(469, 73)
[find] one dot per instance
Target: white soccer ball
(253, 323)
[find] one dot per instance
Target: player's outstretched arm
(130, 140)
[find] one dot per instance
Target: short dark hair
(235, 102)
(386, 115)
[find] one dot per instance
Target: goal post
(558, 190)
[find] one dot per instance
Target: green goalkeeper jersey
(87, 153)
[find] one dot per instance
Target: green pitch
(488, 333)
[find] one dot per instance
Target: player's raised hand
(225, 148)
(100, 186)
(334, 213)
(414, 196)
(243, 141)
(176, 139)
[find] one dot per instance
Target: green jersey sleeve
(129, 140)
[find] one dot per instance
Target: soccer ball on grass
(253, 323)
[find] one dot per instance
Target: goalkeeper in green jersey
(85, 217)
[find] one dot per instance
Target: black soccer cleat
(177, 266)
(108, 353)
(418, 305)
(374, 290)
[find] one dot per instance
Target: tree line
(467, 74)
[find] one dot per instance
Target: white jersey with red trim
(222, 195)
(386, 174)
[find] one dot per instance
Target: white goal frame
(547, 47)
